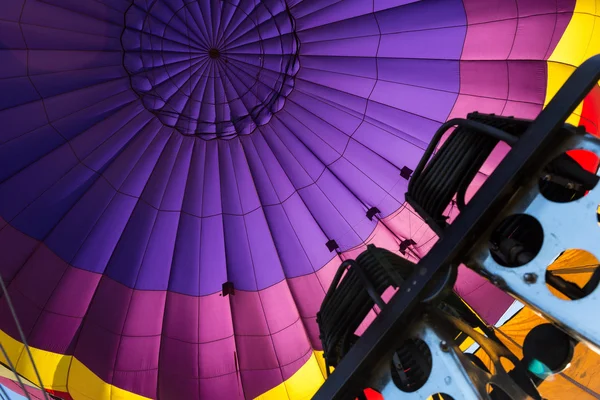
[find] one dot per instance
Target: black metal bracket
(351, 375)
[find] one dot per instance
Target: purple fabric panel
(15, 194)
(248, 314)
(134, 153)
(256, 382)
(40, 275)
(145, 315)
(231, 199)
(12, 11)
(308, 230)
(211, 201)
(15, 63)
(490, 41)
(350, 84)
(21, 120)
(43, 213)
(181, 318)
(99, 339)
(534, 35)
(184, 364)
(345, 202)
(494, 10)
(433, 74)
(142, 382)
(279, 307)
(21, 89)
(194, 190)
(292, 255)
(443, 43)
(156, 266)
(217, 358)
(291, 343)
(97, 250)
(53, 84)
(42, 37)
(27, 149)
(103, 154)
(428, 103)
(329, 93)
(264, 187)
(213, 270)
(323, 209)
(178, 369)
(331, 124)
(185, 270)
(16, 248)
(213, 309)
(290, 369)
(243, 176)
(127, 119)
(329, 12)
(81, 120)
(423, 15)
(61, 106)
(136, 368)
(294, 122)
(27, 311)
(64, 332)
(71, 232)
(278, 176)
(75, 18)
(11, 35)
(240, 268)
(129, 253)
(527, 81)
(139, 175)
(226, 386)
(484, 78)
(156, 185)
(301, 165)
(265, 260)
(308, 293)
(357, 66)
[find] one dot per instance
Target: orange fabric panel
(579, 381)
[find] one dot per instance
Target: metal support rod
(352, 373)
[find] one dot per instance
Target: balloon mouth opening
(214, 54)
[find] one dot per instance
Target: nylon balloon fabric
(153, 150)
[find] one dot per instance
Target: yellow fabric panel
(52, 367)
(580, 41)
(321, 361)
(573, 46)
(12, 347)
(587, 6)
(54, 372)
(557, 75)
(62, 373)
(300, 386)
(67, 374)
(84, 384)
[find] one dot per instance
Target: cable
(13, 368)
(23, 339)
(451, 170)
